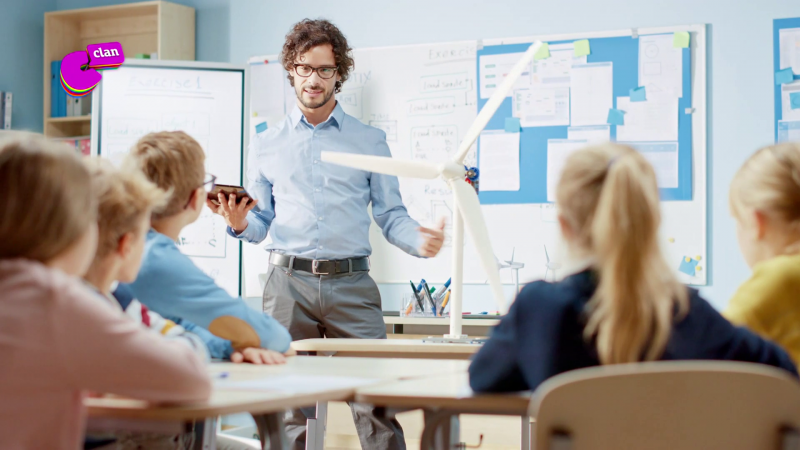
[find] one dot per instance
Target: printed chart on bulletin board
(669, 127)
(787, 79)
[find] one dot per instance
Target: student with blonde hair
(57, 340)
(765, 201)
(625, 303)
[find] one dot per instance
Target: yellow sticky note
(543, 52)
(255, 114)
(582, 48)
(698, 257)
(680, 39)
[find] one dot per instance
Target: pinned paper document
(499, 161)
(558, 150)
(648, 121)
(592, 87)
(582, 48)
(660, 66)
(680, 39)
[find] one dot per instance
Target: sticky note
(794, 100)
(512, 124)
(582, 48)
(260, 128)
(543, 52)
(680, 39)
(688, 266)
(638, 94)
(784, 76)
(616, 117)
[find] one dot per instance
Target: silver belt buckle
(315, 265)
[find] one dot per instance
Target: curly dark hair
(308, 34)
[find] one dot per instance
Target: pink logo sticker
(78, 74)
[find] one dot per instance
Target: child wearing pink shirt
(57, 339)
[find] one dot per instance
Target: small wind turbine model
(466, 206)
(551, 266)
(515, 266)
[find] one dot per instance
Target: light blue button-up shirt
(315, 209)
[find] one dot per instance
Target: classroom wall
(22, 53)
(740, 66)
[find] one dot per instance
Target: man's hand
(258, 356)
(434, 239)
(235, 215)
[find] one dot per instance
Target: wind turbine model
(466, 206)
(515, 266)
(551, 266)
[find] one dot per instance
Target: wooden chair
(698, 405)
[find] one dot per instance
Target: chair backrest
(668, 406)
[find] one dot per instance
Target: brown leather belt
(320, 266)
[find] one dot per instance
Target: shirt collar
(336, 117)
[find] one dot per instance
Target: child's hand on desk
(257, 356)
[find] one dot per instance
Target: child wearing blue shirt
(169, 282)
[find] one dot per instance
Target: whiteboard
(207, 101)
(424, 98)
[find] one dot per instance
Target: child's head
(609, 210)
(175, 162)
(125, 201)
(49, 212)
(765, 201)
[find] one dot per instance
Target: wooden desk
(443, 398)
(431, 326)
(267, 407)
(386, 348)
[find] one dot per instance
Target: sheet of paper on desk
(499, 161)
(786, 101)
(651, 120)
(789, 131)
(660, 66)
(789, 39)
(295, 383)
(558, 150)
(592, 93)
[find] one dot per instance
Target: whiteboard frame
(177, 64)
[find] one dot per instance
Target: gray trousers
(337, 306)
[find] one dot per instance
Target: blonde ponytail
(609, 197)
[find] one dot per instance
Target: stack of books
(82, 144)
(61, 103)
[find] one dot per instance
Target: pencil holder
(411, 307)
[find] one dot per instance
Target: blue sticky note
(260, 128)
(638, 94)
(616, 116)
(794, 100)
(784, 76)
(688, 267)
(512, 125)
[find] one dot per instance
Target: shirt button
(320, 247)
(319, 218)
(316, 161)
(317, 190)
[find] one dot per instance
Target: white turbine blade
(470, 209)
(384, 165)
(494, 102)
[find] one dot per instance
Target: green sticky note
(680, 39)
(543, 52)
(582, 48)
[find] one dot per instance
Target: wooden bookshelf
(161, 27)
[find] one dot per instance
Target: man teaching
(318, 282)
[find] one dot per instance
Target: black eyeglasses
(209, 183)
(325, 72)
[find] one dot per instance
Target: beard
(314, 104)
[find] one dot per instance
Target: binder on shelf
(7, 109)
(55, 85)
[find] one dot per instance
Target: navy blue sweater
(542, 336)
